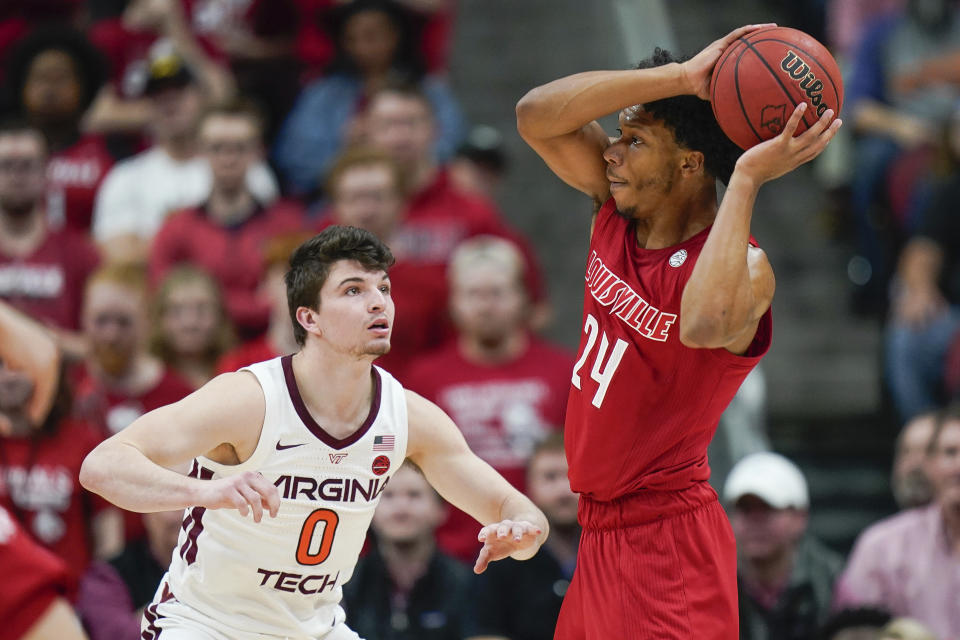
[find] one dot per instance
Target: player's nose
(613, 154)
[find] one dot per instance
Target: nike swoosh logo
(281, 447)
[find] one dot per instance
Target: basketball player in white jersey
(310, 439)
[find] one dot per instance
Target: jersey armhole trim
(259, 452)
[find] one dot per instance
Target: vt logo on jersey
(337, 458)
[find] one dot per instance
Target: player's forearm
(122, 474)
(565, 105)
(718, 300)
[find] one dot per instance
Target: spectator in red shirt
(120, 379)
(438, 214)
(34, 600)
(367, 190)
(505, 388)
(226, 234)
(42, 271)
(54, 74)
(42, 448)
(278, 339)
(190, 327)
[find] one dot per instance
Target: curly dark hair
(693, 123)
(90, 63)
(311, 262)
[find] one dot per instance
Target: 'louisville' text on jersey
(625, 303)
(331, 489)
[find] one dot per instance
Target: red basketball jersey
(642, 406)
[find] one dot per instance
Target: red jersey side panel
(642, 406)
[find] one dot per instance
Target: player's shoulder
(236, 392)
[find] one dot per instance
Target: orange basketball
(762, 76)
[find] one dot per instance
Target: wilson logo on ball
(797, 69)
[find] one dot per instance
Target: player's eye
(352, 291)
(385, 288)
(636, 140)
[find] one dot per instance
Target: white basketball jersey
(283, 576)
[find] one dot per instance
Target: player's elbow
(702, 332)
(94, 471)
(529, 111)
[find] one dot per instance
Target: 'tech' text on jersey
(283, 576)
(642, 406)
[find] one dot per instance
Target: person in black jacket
(405, 589)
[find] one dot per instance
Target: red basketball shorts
(655, 565)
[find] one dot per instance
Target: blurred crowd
(159, 161)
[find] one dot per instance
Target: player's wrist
(746, 178)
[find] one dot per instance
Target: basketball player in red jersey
(676, 313)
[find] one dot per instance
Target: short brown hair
(129, 275)
(310, 265)
(236, 108)
(355, 157)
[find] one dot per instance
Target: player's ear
(308, 319)
(691, 163)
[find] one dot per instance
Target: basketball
(762, 76)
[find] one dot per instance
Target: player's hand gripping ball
(762, 76)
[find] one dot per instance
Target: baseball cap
(769, 476)
(484, 145)
(166, 69)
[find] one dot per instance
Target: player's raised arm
(514, 526)
(732, 284)
(558, 119)
(132, 469)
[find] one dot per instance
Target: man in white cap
(784, 577)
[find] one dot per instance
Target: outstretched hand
(784, 153)
(504, 538)
(699, 69)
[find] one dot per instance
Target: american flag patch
(383, 443)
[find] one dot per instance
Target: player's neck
(678, 220)
(342, 402)
(508, 349)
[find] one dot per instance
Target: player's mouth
(380, 327)
(615, 181)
